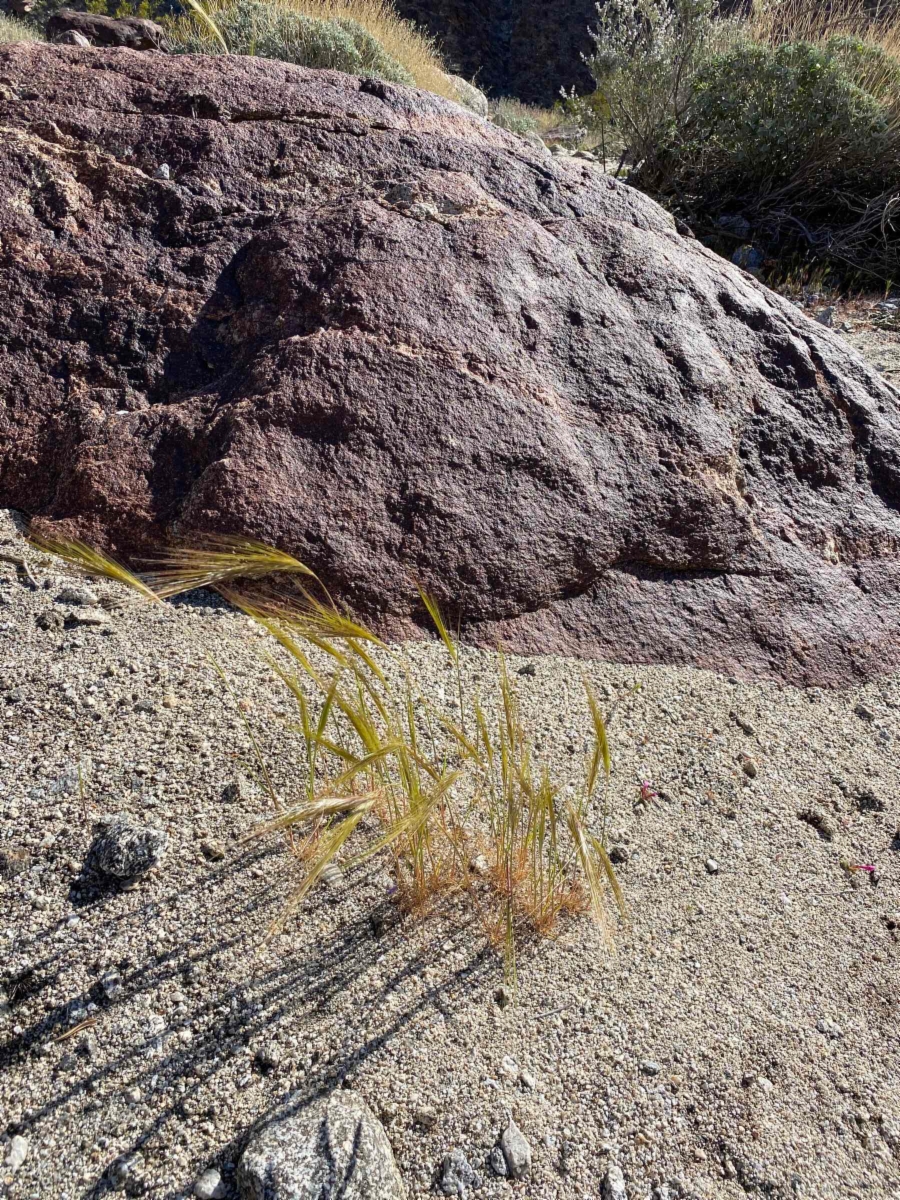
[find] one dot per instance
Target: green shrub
(765, 117)
(792, 138)
(515, 116)
(647, 52)
(797, 142)
(272, 30)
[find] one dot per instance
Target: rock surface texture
(332, 1149)
(136, 33)
(363, 324)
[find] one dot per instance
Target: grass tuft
(363, 37)
(12, 30)
(451, 794)
(216, 561)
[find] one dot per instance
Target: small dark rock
(497, 1162)
(125, 849)
(49, 620)
(528, 669)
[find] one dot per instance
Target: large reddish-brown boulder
(359, 322)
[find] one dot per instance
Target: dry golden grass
(92, 562)
(451, 793)
(777, 21)
(402, 40)
(12, 30)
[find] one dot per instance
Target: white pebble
(18, 1152)
(209, 1186)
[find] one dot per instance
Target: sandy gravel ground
(743, 1039)
(871, 326)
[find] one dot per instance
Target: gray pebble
(162, 172)
(458, 1175)
(78, 595)
(111, 983)
(209, 1186)
(829, 1028)
(516, 1150)
(712, 866)
(18, 1152)
(336, 1136)
(614, 1184)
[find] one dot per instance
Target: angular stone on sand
(17, 1153)
(332, 1148)
(458, 1175)
(210, 1186)
(614, 1184)
(124, 848)
(516, 1150)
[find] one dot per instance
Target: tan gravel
(743, 1039)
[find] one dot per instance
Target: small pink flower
(862, 867)
(647, 792)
